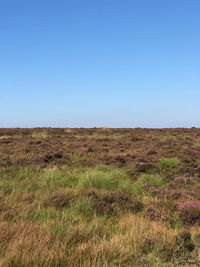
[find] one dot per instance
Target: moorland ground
(99, 197)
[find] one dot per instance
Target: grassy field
(99, 197)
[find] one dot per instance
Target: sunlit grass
(101, 136)
(167, 163)
(42, 134)
(196, 144)
(138, 188)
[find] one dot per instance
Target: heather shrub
(101, 208)
(60, 199)
(148, 245)
(176, 193)
(154, 190)
(184, 241)
(160, 211)
(197, 239)
(117, 197)
(190, 212)
(124, 202)
(144, 167)
(117, 201)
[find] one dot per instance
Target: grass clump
(146, 179)
(100, 177)
(105, 178)
(167, 163)
(105, 128)
(83, 207)
(151, 179)
(44, 214)
(196, 144)
(42, 134)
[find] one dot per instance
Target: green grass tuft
(167, 163)
(196, 144)
(101, 178)
(155, 180)
(39, 134)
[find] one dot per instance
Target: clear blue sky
(90, 63)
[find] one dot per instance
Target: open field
(99, 197)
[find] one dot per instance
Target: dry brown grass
(121, 244)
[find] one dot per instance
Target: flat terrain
(99, 197)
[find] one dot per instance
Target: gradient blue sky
(90, 63)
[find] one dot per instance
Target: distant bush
(105, 128)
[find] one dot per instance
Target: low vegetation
(39, 134)
(67, 208)
(167, 163)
